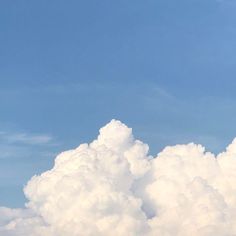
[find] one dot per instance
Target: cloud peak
(113, 185)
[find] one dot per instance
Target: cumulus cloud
(112, 186)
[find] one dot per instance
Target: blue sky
(166, 68)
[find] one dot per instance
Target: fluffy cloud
(113, 187)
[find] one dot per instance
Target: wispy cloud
(26, 138)
(24, 145)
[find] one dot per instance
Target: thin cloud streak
(24, 138)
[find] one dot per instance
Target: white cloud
(113, 187)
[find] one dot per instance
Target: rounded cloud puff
(113, 187)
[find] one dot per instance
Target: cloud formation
(113, 187)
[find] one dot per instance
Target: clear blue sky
(167, 68)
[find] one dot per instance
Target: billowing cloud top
(112, 187)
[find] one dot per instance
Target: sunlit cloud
(114, 185)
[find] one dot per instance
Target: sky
(164, 67)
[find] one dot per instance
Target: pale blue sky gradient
(166, 68)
